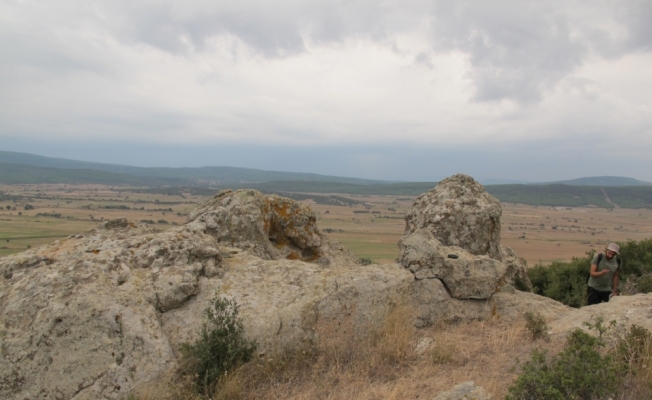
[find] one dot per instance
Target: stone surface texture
(465, 391)
(452, 249)
(270, 227)
(98, 314)
(459, 212)
(625, 310)
(466, 276)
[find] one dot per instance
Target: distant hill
(30, 174)
(18, 168)
(201, 175)
(602, 181)
(574, 196)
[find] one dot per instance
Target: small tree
(221, 345)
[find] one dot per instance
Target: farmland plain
(369, 225)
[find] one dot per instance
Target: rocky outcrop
(625, 310)
(510, 304)
(516, 272)
(270, 227)
(466, 276)
(98, 314)
(451, 245)
(459, 212)
(80, 316)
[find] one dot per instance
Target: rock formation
(99, 314)
(452, 246)
(459, 212)
(271, 227)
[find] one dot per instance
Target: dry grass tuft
(383, 363)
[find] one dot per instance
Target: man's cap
(614, 247)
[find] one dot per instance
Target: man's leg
(594, 296)
(604, 296)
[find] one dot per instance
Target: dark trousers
(597, 296)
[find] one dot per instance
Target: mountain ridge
(62, 170)
(190, 175)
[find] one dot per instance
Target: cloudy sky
(398, 90)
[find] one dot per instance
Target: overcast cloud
(409, 90)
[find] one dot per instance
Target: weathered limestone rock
(459, 212)
(452, 236)
(465, 391)
(625, 310)
(433, 303)
(282, 301)
(99, 314)
(510, 305)
(465, 276)
(79, 317)
(516, 273)
(269, 226)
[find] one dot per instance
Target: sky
(408, 90)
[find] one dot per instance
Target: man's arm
(614, 286)
(595, 273)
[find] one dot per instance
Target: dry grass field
(61, 210)
(370, 230)
(383, 363)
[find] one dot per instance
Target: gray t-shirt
(603, 283)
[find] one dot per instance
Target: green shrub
(221, 346)
(579, 371)
(536, 325)
(565, 282)
(636, 344)
(521, 285)
(365, 261)
(645, 283)
(637, 257)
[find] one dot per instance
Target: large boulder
(452, 247)
(516, 269)
(434, 304)
(99, 314)
(466, 276)
(459, 212)
(625, 310)
(268, 226)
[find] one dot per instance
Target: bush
(645, 283)
(636, 345)
(561, 281)
(637, 257)
(577, 372)
(221, 346)
(365, 261)
(536, 325)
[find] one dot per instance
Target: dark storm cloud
(518, 49)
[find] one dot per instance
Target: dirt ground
(370, 230)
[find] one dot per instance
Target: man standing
(604, 279)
